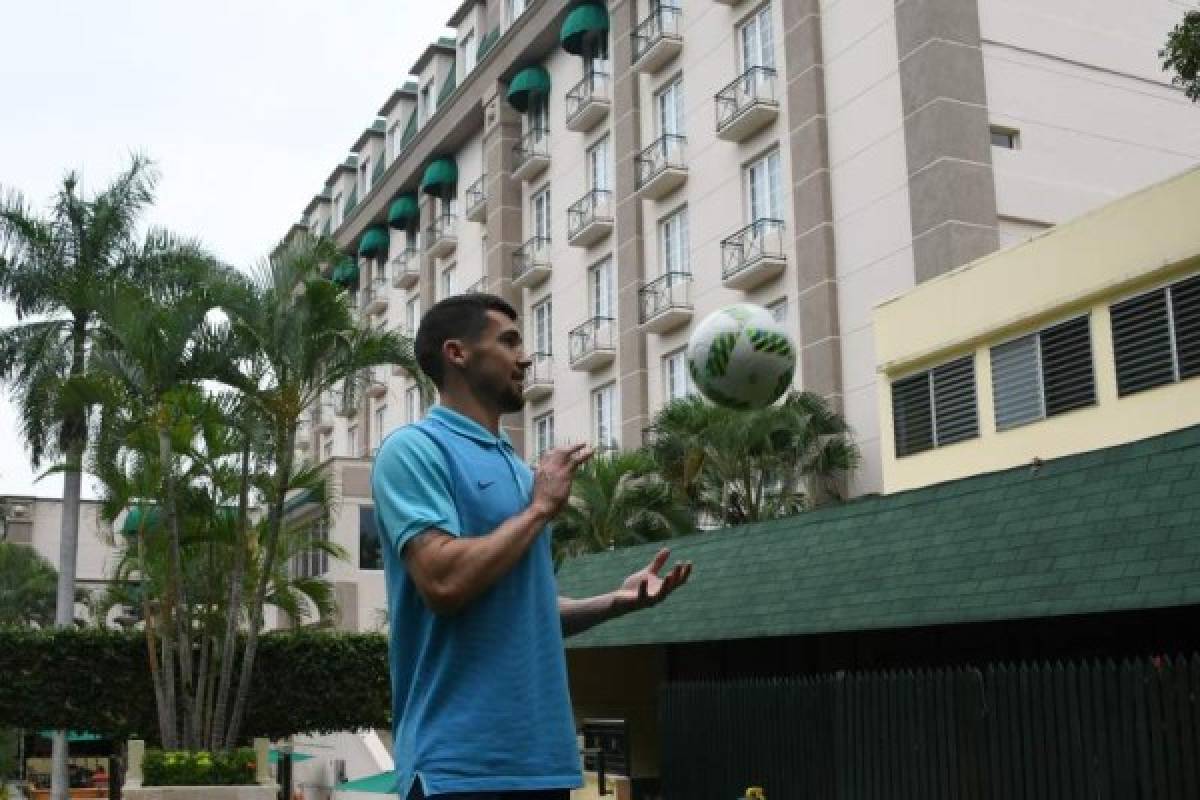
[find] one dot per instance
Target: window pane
(1016, 383)
(911, 414)
(1067, 366)
(956, 417)
(1185, 307)
(1142, 343)
(370, 550)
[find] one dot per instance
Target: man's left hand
(646, 587)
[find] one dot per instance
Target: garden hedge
(99, 681)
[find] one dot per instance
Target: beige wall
(1145, 240)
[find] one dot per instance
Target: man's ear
(455, 352)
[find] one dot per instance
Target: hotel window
(677, 383)
(763, 193)
(364, 176)
(597, 162)
(600, 289)
(313, 562)
(449, 282)
(935, 408)
(327, 449)
(539, 206)
(466, 49)
(412, 404)
(412, 315)
(596, 60)
(757, 49)
(377, 431)
(543, 321)
(393, 141)
(1043, 374)
(513, 9)
(543, 434)
(1007, 138)
(669, 103)
(604, 435)
(673, 243)
(370, 548)
(1156, 337)
(337, 209)
(538, 116)
(352, 441)
(426, 102)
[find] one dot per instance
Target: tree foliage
(1181, 55)
(27, 587)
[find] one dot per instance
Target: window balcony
(477, 200)
(591, 344)
(377, 301)
(657, 39)
(405, 267)
(660, 167)
(747, 105)
(753, 255)
(441, 237)
(376, 380)
(303, 436)
(531, 156)
(590, 218)
(539, 378)
(666, 303)
(588, 102)
(531, 263)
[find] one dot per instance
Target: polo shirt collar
(465, 426)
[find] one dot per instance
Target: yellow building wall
(1146, 240)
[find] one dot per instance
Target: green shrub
(200, 768)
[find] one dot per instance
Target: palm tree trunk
(64, 609)
(176, 581)
(287, 443)
(152, 650)
(233, 611)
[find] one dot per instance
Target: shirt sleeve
(410, 484)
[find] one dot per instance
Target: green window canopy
(442, 173)
(528, 82)
(591, 18)
(139, 516)
(403, 209)
(345, 274)
(381, 783)
(374, 243)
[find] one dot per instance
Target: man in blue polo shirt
(479, 686)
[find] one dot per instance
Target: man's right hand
(552, 480)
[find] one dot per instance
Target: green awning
(345, 274)
(403, 209)
(75, 736)
(139, 516)
(381, 783)
(374, 243)
(440, 175)
(526, 83)
(273, 757)
(591, 18)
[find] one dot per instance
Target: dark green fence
(1128, 731)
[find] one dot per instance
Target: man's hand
(646, 587)
(552, 480)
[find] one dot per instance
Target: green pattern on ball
(781, 386)
(718, 354)
(769, 342)
(722, 399)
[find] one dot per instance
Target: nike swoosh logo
(485, 484)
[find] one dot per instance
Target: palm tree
(618, 500)
(737, 467)
(27, 582)
(291, 338)
(52, 269)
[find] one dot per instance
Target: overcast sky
(245, 105)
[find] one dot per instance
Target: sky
(244, 105)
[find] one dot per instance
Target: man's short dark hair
(460, 316)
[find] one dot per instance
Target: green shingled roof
(1113, 529)
(447, 88)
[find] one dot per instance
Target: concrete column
(812, 227)
(501, 132)
(952, 192)
(632, 381)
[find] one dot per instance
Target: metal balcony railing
(592, 336)
(594, 206)
(534, 144)
(762, 238)
(477, 196)
(663, 21)
(755, 85)
(442, 227)
(535, 252)
(663, 153)
(673, 290)
(594, 86)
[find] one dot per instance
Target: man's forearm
(579, 615)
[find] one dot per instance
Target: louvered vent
(1017, 383)
(935, 408)
(1185, 311)
(1141, 330)
(1067, 366)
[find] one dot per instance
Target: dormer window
(466, 51)
(364, 176)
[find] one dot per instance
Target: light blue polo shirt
(479, 699)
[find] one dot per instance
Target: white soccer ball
(741, 357)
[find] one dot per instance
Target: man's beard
(507, 399)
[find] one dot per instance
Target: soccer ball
(741, 357)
